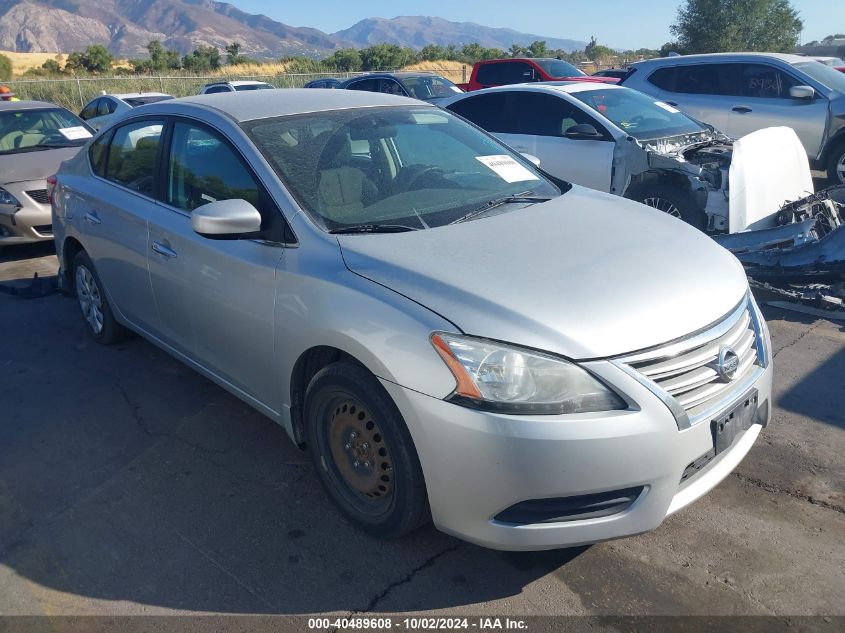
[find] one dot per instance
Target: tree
(669, 47)
(344, 59)
(233, 54)
(97, 59)
(202, 59)
(716, 26)
(518, 51)
(5, 68)
(538, 48)
(597, 52)
(432, 53)
(386, 56)
(52, 67)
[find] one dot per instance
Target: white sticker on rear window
(74, 133)
(666, 107)
(507, 168)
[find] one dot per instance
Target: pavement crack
(408, 577)
(809, 330)
(759, 483)
(135, 411)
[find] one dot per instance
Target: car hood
(586, 275)
(35, 165)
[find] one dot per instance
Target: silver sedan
(35, 137)
(452, 335)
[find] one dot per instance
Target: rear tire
(363, 452)
(836, 165)
(96, 311)
(672, 200)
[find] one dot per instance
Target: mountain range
(126, 26)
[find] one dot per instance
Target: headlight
(7, 199)
(498, 377)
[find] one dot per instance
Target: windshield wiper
(497, 202)
(373, 228)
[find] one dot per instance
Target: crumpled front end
(697, 164)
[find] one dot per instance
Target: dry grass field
(449, 69)
(21, 62)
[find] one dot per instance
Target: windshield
(430, 87)
(825, 75)
(418, 167)
(243, 87)
(558, 68)
(32, 130)
(139, 101)
(638, 114)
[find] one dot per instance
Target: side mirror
(802, 92)
(531, 159)
(226, 220)
(583, 132)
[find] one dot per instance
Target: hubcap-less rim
(90, 301)
(360, 452)
(662, 204)
(840, 169)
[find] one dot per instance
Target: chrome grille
(685, 374)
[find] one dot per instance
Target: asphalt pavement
(129, 484)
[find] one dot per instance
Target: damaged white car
(613, 139)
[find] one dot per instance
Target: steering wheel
(416, 173)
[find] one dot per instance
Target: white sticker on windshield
(507, 168)
(666, 107)
(74, 133)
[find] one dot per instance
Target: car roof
(404, 74)
(263, 104)
(244, 82)
(553, 87)
(135, 95)
(681, 59)
(27, 105)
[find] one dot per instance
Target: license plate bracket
(734, 421)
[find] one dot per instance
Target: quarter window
(107, 106)
(545, 115)
(97, 154)
(369, 85)
(203, 168)
(133, 156)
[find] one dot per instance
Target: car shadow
(21, 252)
(125, 476)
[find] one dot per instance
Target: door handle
(741, 109)
(164, 251)
(92, 218)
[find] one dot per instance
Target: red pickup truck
(502, 72)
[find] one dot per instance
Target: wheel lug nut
(353, 435)
(356, 463)
(347, 446)
(367, 464)
(365, 445)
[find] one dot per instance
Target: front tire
(672, 200)
(99, 319)
(363, 452)
(836, 166)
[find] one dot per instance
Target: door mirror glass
(802, 92)
(226, 219)
(583, 131)
(531, 159)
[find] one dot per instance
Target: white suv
(234, 86)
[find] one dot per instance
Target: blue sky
(614, 22)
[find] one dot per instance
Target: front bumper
(477, 464)
(32, 221)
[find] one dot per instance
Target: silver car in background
(35, 137)
(739, 93)
(452, 335)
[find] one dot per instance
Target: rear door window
(369, 85)
(133, 156)
(700, 79)
(488, 112)
(106, 106)
(90, 111)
